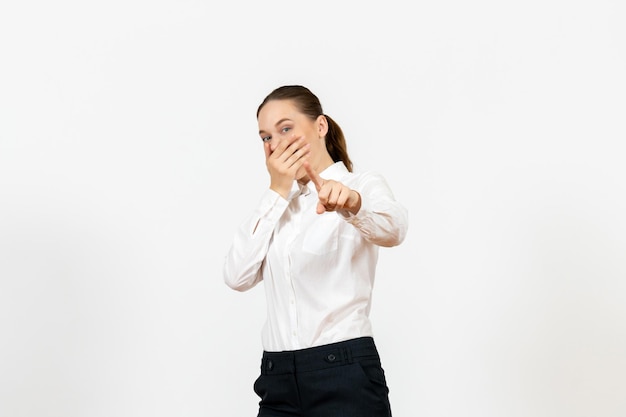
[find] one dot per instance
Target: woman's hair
(309, 105)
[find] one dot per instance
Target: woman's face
(281, 120)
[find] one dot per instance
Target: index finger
(317, 180)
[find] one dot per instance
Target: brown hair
(309, 105)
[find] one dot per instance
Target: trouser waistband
(318, 357)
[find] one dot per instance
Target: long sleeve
(381, 220)
(243, 262)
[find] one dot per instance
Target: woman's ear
(322, 125)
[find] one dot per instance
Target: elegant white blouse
(318, 269)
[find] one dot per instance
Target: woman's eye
(285, 129)
(266, 138)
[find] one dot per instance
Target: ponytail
(336, 143)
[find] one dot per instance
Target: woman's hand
(283, 161)
(332, 194)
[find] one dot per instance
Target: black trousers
(342, 379)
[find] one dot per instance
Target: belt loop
(347, 354)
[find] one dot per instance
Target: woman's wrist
(355, 202)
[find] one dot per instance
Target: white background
(129, 155)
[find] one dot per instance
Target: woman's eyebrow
(285, 119)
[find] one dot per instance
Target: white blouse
(318, 269)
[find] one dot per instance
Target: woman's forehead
(276, 110)
(274, 106)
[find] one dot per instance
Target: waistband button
(331, 357)
(270, 365)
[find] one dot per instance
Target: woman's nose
(274, 142)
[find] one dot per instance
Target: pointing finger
(317, 180)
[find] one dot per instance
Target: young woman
(313, 240)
